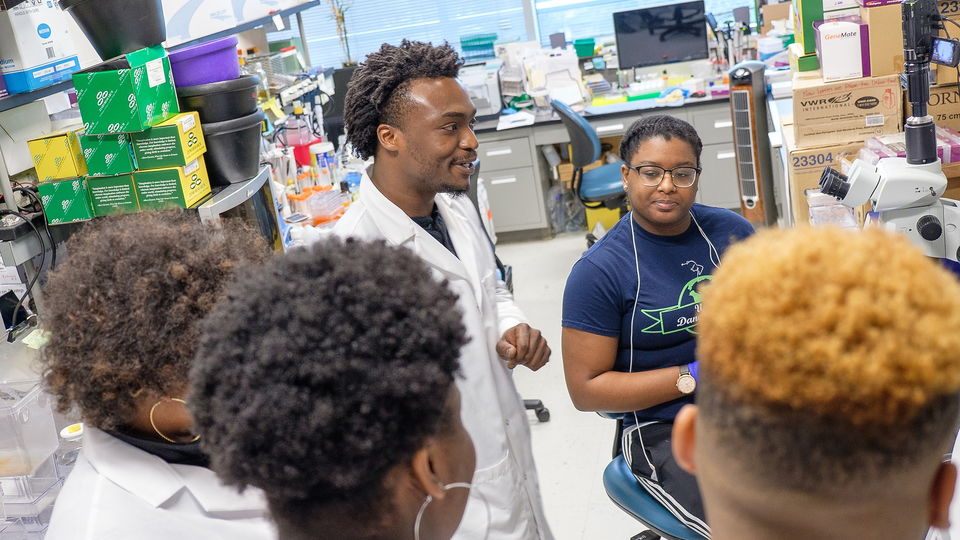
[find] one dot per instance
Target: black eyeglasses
(652, 175)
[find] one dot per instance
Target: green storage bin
(585, 47)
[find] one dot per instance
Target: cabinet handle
(499, 152)
(507, 180)
(609, 127)
(726, 155)
(720, 124)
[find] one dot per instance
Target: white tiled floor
(573, 447)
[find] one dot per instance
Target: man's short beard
(454, 191)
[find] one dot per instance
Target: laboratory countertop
(627, 108)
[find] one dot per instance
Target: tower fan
(749, 112)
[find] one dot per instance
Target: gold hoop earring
(154, 425)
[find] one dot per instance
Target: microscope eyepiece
(834, 183)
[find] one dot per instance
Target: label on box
(190, 168)
(875, 120)
(187, 123)
(113, 195)
(155, 73)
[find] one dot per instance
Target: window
(371, 23)
(594, 18)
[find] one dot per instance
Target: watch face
(686, 384)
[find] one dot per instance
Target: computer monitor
(661, 35)
(333, 118)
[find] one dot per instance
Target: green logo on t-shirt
(680, 317)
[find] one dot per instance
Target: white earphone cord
(712, 250)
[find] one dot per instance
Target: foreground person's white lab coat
(491, 409)
(117, 491)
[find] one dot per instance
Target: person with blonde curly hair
(829, 389)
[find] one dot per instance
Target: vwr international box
(66, 201)
(845, 111)
(173, 143)
(805, 166)
(127, 99)
(57, 156)
(177, 186)
(35, 46)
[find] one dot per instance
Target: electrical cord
(955, 23)
(33, 282)
(46, 224)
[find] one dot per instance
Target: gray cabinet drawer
(718, 183)
(506, 154)
(514, 199)
(713, 124)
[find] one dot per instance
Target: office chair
(626, 492)
(600, 187)
(506, 274)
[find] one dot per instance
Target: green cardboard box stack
(141, 152)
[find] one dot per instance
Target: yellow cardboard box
(829, 113)
(175, 186)
(57, 155)
(176, 142)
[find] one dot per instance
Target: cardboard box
(125, 100)
(108, 155)
(173, 143)
(886, 38)
(802, 63)
(66, 201)
(843, 47)
(178, 186)
(112, 195)
(805, 166)
(36, 49)
(845, 111)
(774, 12)
(807, 12)
(57, 155)
(943, 106)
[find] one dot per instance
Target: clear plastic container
(28, 497)
(28, 434)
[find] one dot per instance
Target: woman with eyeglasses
(631, 303)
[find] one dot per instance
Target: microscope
(905, 192)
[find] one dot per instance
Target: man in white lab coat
(405, 108)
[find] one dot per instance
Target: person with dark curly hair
(405, 108)
(631, 302)
(122, 310)
(830, 389)
(341, 406)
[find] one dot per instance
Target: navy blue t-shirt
(600, 292)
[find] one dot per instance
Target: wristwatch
(686, 384)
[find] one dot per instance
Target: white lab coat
(117, 491)
(491, 408)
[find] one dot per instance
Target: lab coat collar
(398, 229)
(156, 481)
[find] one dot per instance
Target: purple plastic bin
(209, 62)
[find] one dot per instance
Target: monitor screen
(661, 35)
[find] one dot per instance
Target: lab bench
(517, 176)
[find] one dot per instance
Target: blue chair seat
(627, 493)
(602, 183)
